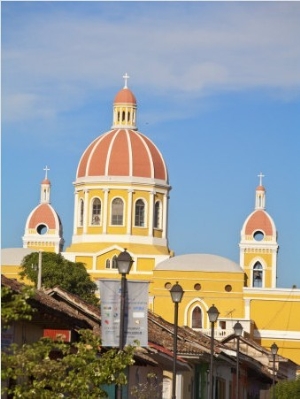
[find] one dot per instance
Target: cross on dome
(125, 77)
(46, 169)
(260, 178)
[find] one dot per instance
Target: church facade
(121, 200)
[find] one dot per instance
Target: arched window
(81, 212)
(117, 209)
(139, 213)
(114, 262)
(257, 275)
(96, 211)
(157, 215)
(111, 264)
(197, 318)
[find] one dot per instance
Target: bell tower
(258, 244)
(43, 228)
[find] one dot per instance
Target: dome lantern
(124, 108)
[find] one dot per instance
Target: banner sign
(136, 312)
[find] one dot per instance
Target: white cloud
(54, 59)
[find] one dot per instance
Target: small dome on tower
(44, 214)
(260, 220)
(43, 229)
(125, 96)
(259, 223)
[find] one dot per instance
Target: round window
(168, 286)
(42, 229)
(228, 288)
(197, 287)
(258, 236)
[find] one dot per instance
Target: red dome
(259, 220)
(44, 213)
(122, 152)
(125, 96)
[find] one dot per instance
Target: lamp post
(176, 293)
(124, 263)
(38, 268)
(274, 350)
(39, 280)
(213, 315)
(238, 331)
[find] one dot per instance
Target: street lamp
(39, 270)
(238, 330)
(213, 315)
(39, 280)
(176, 293)
(124, 263)
(274, 350)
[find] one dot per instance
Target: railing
(219, 333)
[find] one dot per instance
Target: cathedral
(121, 200)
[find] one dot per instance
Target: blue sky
(218, 91)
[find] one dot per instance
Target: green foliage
(14, 305)
(147, 390)
(58, 271)
(50, 370)
(288, 389)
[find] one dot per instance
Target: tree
(288, 389)
(150, 389)
(53, 369)
(58, 271)
(14, 305)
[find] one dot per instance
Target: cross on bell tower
(46, 169)
(126, 77)
(260, 178)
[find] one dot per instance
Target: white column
(151, 213)
(274, 268)
(129, 211)
(179, 386)
(75, 213)
(165, 216)
(86, 210)
(105, 210)
(247, 309)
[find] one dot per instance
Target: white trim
(90, 221)
(270, 291)
(277, 334)
(145, 181)
(146, 214)
(262, 262)
(124, 216)
(192, 304)
(130, 239)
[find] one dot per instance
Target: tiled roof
(46, 305)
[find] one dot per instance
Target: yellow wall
(212, 291)
(273, 310)
(12, 271)
(265, 258)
